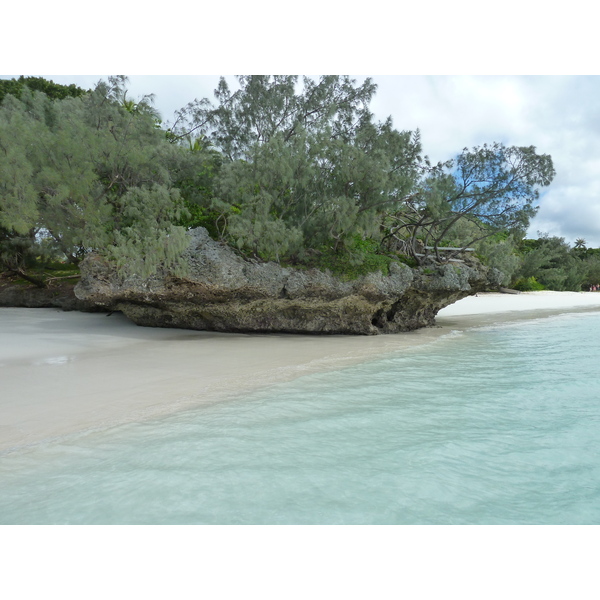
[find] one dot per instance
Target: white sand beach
(63, 373)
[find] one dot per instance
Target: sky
(559, 115)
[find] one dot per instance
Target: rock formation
(224, 292)
(26, 295)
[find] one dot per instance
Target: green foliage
(361, 258)
(146, 235)
(528, 284)
(301, 167)
(552, 262)
(282, 169)
(28, 268)
(198, 216)
(499, 252)
(592, 268)
(84, 173)
(55, 91)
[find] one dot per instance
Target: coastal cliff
(224, 292)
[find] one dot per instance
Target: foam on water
(495, 425)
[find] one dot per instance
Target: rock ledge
(224, 292)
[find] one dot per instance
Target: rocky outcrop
(224, 292)
(27, 295)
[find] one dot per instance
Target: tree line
(280, 168)
(551, 263)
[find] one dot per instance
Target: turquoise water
(494, 425)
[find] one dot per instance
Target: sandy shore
(64, 373)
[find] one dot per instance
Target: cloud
(559, 115)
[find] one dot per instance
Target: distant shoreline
(490, 307)
(66, 373)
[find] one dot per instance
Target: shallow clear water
(494, 425)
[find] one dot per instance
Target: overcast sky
(559, 115)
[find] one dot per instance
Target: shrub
(528, 284)
(359, 258)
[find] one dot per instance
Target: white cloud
(560, 116)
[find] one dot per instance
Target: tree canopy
(306, 165)
(85, 173)
(491, 188)
(56, 91)
(550, 263)
(280, 167)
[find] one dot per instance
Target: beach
(67, 373)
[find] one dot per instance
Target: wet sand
(62, 373)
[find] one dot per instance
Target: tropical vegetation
(280, 168)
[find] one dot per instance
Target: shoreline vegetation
(280, 169)
(69, 373)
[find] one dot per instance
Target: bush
(528, 284)
(360, 258)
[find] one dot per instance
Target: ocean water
(494, 425)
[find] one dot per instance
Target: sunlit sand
(63, 373)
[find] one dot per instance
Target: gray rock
(224, 292)
(56, 296)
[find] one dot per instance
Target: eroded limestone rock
(224, 292)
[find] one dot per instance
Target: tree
(494, 188)
(592, 268)
(580, 248)
(553, 264)
(84, 173)
(282, 168)
(306, 168)
(56, 91)
(303, 165)
(267, 105)
(194, 171)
